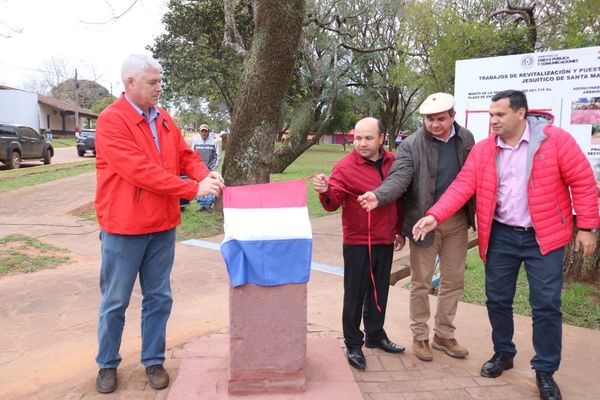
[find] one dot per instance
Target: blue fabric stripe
(267, 262)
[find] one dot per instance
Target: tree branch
(358, 50)
(231, 37)
(111, 19)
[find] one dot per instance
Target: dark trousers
(358, 292)
(509, 248)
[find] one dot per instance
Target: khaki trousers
(451, 243)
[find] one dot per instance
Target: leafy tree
(89, 92)
(389, 88)
(436, 36)
(191, 116)
(197, 63)
(101, 104)
(579, 26)
(344, 114)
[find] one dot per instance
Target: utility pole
(76, 101)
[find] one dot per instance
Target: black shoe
(356, 358)
(385, 344)
(209, 210)
(106, 382)
(547, 386)
(201, 209)
(158, 377)
(494, 367)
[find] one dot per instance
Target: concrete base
(267, 327)
(203, 373)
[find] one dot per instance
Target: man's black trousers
(358, 292)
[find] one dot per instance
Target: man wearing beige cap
(426, 163)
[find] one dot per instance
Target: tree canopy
(360, 57)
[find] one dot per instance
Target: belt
(521, 228)
(517, 228)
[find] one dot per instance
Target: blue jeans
(509, 248)
(123, 258)
(206, 201)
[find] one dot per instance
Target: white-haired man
(140, 155)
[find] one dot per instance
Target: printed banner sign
(565, 83)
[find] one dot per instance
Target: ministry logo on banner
(268, 237)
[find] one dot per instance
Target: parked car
(86, 141)
(18, 142)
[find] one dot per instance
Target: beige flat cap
(437, 103)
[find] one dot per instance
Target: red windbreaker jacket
(555, 165)
(138, 187)
(357, 176)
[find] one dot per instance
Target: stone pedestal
(267, 351)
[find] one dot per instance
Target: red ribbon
(341, 189)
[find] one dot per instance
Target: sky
(76, 31)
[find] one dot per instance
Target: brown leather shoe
(422, 350)
(158, 377)
(450, 347)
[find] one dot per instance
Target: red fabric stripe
(266, 195)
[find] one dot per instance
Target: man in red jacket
(527, 177)
(366, 282)
(140, 155)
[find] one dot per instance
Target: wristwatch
(588, 230)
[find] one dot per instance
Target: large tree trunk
(581, 269)
(264, 82)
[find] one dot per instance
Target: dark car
(86, 141)
(18, 142)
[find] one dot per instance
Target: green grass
(316, 160)
(580, 302)
(59, 142)
(24, 177)
(19, 253)
(199, 224)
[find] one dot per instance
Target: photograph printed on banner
(585, 110)
(596, 135)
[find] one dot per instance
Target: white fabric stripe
(267, 223)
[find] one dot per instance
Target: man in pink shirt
(526, 176)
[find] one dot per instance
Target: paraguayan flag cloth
(268, 237)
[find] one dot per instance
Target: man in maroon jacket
(361, 170)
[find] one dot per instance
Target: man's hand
(321, 183)
(399, 242)
(218, 176)
(212, 184)
(423, 227)
(368, 201)
(585, 241)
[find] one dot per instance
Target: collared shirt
(154, 113)
(512, 207)
(450, 136)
